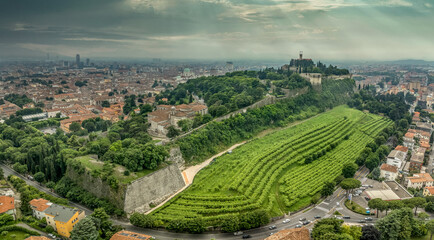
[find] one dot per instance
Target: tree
(39, 177)
(6, 219)
(349, 184)
(376, 173)
(142, 220)
(370, 233)
(231, 224)
(423, 216)
(314, 200)
(105, 104)
(377, 203)
(2, 175)
(418, 202)
(399, 224)
(349, 169)
(74, 127)
(354, 231)
(172, 132)
(84, 230)
(430, 226)
(145, 108)
(328, 189)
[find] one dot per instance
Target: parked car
(346, 217)
(317, 217)
(368, 219)
(371, 186)
(272, 227)
(50, 235)
(367, 198)
(362, 221)
(302, 219)
(306, 222)
(270, 234)
(246, 236)
(238, 233)
(286, 220)
(298, 226)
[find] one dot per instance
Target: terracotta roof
(39, 204)
(409, 135)
(291, 234)
(421, 177)
(430, 190)
(401, 148)
(127, 235)
(37, 238)
(389, 168)
(6, 204)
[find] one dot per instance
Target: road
(324, 209)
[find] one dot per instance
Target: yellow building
(63, 219)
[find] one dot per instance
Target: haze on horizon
(218, 29)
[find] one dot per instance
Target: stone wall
(150, 189)
(98, 187)
(153, 189)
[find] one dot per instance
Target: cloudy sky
(218, 29)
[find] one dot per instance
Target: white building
(388, 172)
(419, 181)
(396, 158)
(38, 207)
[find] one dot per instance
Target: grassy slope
(92, 164)
(216, 179)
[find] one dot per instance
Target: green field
(15, 235)
(271, 172)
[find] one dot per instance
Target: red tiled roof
(127, 235)
(37, 238)
(389, 168)
(39, 204)
(6, 204)
(291, 234)
(401, 148)
(409, 135)
(430, 190)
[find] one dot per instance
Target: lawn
(279, 172)
(18, 235)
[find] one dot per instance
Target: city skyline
(218, 29)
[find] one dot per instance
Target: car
(371, 186)
(270, 234)
(337, 203)
(346, 217)
(339, 217)
(368, 219)
(367, 198)
(317, 217)
(298, 226)
(306, 222)
(246, 236)
(286, 220)
(272, 227)
(362, 221)
(365, 186)
(51, 236)
(238, 233)
(302, 219)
